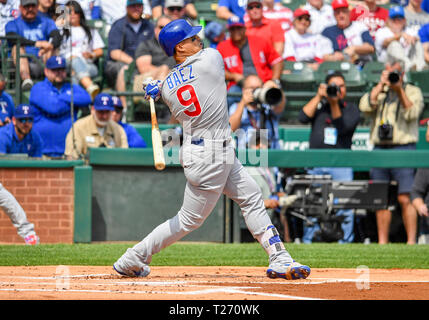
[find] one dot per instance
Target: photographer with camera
(333, 122)
(258, 110)
(394, 107)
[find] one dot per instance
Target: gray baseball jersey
(195, 93)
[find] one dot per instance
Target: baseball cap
(254, 1)
(23, 111)
(336, 4)
(117, 103)
(235, 21)
(56, 62)
(300, 12)
(212, 30)
(28, 2)
(103, 101)
(396, 12)
(133, 2)
(174, 3)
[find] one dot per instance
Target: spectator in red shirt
(274, 10)
(265, 28)
(248, 54)
(373, 16)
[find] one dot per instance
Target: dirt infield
(209, 283)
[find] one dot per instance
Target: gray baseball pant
(206, 181)
(15, 212)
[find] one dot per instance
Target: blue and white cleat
(132, 272)
(290, 271)
(129, 265)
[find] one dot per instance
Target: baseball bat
(158, 152)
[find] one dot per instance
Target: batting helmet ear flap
(174, 32)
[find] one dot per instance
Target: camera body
(332, 90)
(394, 77)
(385, 132)
(270, 96)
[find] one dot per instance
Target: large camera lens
(332, 90)
(270, 96)
(393, 77)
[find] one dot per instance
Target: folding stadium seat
(206, 10)
(299, 77)
(299, 86)
(372, 71)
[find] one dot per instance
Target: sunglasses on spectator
(174, 8)
(25, 120)
(306, 18)
(257, 6)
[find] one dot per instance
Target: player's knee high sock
(273, 245)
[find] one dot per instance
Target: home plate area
(209, 283)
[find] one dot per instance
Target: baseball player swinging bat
(158, 152)
(195, 92)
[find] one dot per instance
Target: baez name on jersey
(180, 76)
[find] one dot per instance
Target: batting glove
(152, 89)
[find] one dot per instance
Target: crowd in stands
(61, 54)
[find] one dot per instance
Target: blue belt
(200, 142)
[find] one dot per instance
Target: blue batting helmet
(175, 32)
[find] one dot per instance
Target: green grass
(217, 254)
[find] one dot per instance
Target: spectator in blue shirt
(6, 103)
(124, 37)
(51, 100)
(227, 9)
(39, 37)
(18, 136)
(133, 137)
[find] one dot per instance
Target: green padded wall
(128, 202)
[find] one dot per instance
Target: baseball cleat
(130, 265)
(32, 240)
(290, 271)
(133, 272)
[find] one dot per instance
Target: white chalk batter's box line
(184, 293)
(140, 281)
(209, 289)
